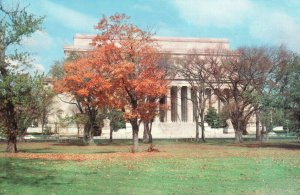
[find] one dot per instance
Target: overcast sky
(243, 22)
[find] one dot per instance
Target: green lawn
(216, 167)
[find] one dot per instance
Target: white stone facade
(177, 122)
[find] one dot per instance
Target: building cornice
(168, 39)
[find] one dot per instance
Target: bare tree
(240, 78)
(192, 68)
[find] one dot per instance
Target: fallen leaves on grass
(79, 157)
(152, 149)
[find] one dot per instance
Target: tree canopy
(15, 24)
(121, 72)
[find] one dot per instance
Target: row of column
(181, 107)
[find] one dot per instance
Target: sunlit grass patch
(180, 168)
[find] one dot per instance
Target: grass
(216, 167)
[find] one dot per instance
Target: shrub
(214, 119)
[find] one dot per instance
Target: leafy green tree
(294, 92)
(116, 122)
(290, 89)
(15, 24)
(214, 119)
(279, 105)
(30, 99)
(57, 69)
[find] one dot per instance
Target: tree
(294, 92)
(214, 119)
(15, 24)
(116, 121)
(165, 64)
(241, 77)
(122, 72)
(131, 58)
(83, 84)
(286, 97)
(57, 70)
(33, 101)
(28, 97)
(192, 68)
(45, 103)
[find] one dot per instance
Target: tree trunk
(88, 134)
(150, 138)
(12, 142)
(149, 132)
(43, 129)
(263, 132)
(24, 132)
(258, 132)
(135, 135)
(111, 133)
(145, 133)
(202, 126)
(203, 138)
(238, 130)
(243, 126)
(238, 136)
(147, 137)
(197, 129)
(11, 124)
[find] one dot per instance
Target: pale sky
(242, 22)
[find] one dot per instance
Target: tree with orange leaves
(122, 72)
(84, 84)
(131, 60)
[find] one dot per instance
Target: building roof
(172, 45)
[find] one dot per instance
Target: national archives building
(178, 120)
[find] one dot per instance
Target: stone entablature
(170, 45)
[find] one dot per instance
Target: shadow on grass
(36, 150)
(70, 144)
(115, 143)
(97, 143)
(25, 174)
(104, 152)
(293, 145)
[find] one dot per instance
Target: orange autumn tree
(83, 83)
(129, 58)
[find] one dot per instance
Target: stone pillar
(189, 104)
(178, 104)
(168, 102)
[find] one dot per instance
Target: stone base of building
(173, 131)
(160, 130)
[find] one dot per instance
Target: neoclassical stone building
(178, 121)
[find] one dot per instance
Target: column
(178, 104)
(189, 104)
(168, 102)
(184, 105)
